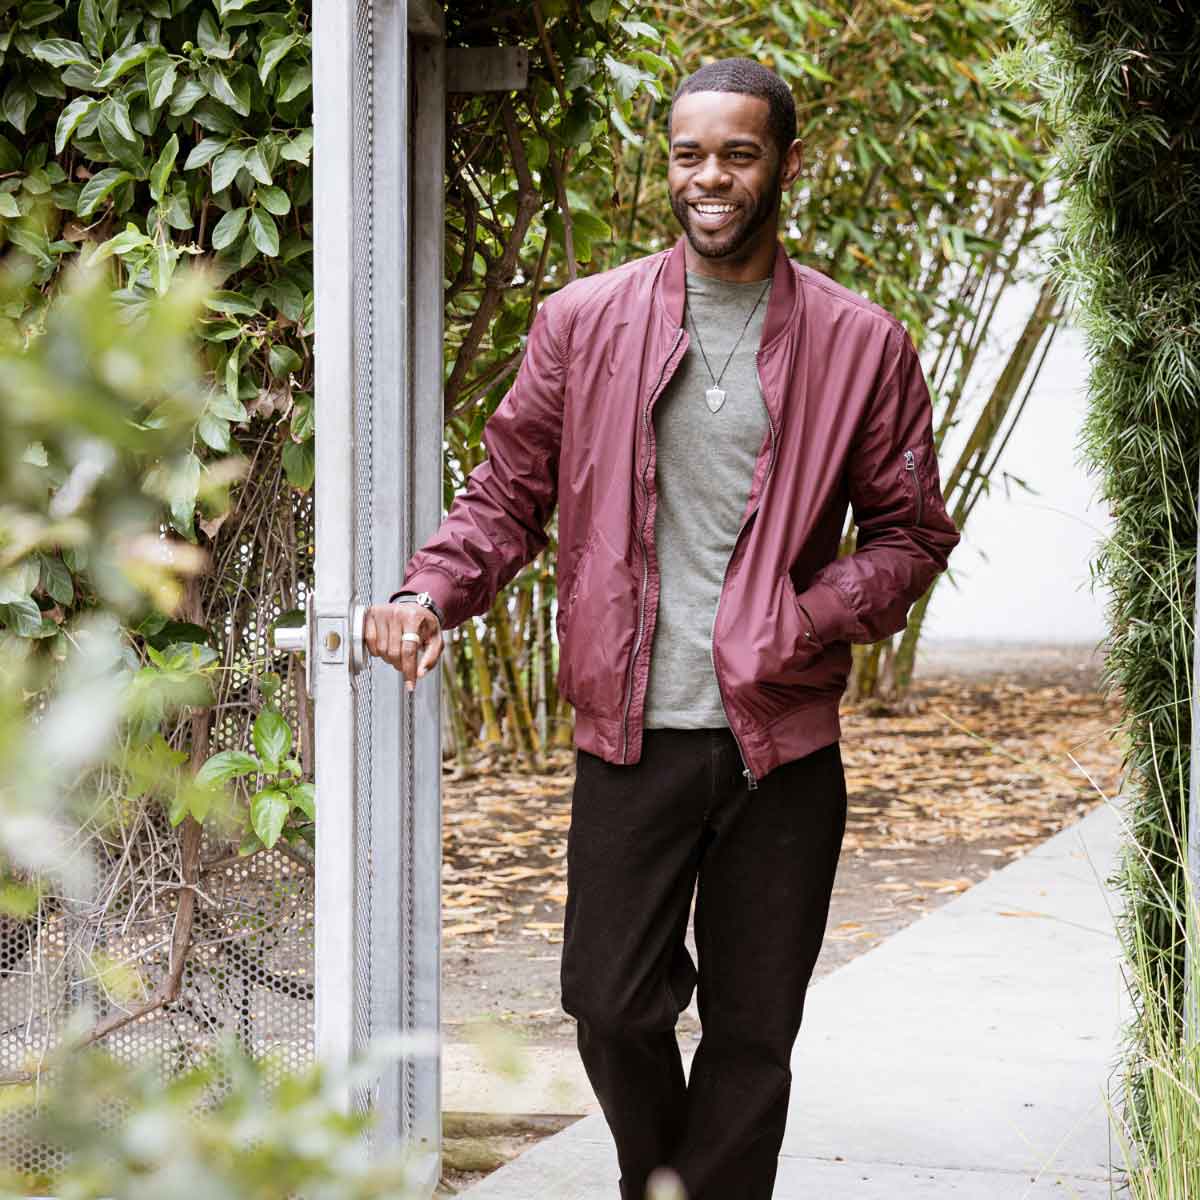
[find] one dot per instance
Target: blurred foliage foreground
(98, 396)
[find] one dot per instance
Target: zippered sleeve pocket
(915, 483)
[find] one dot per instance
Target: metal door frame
(378, 286)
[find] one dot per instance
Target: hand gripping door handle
(328, 638)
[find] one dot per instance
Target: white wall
(1021, 569)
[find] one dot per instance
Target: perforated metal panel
(249, 964)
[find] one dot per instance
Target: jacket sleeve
(905, 534)
(497, 523)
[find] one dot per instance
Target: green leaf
(626, 77)
(231, 302)
(236, 93)
(8, 206)
(272, 738)
(17, 103)
(199, 802)
(213, 432)
(10, 156)
(220, 404)
(302, 416)
(299, 148)
(232, 367)
(225, 167)
(294, 82)
(22, 616)
(229, 764)
(163, 167)
(274, 48)
(256, 164)
(204, 152)
(304, 797)
(38, 13)
(187, 94)
(274, 200)
(178, 808)
(61, 52)
(69, 119)
(264, 232)
(268, 811)
(213, 40)
(229, 228)
(300, 463)
(624, 129)
(216, 118)
(116, 111)
(99, 188)
(130, 238)
(183, 490)
(93, 28)
(123, 60)
(282, 361)
(161, 73)
(56, 579)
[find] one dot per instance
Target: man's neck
(753, 265)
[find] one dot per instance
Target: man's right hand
(383, 628)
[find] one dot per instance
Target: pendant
(715, 397)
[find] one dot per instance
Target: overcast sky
(1021, 569)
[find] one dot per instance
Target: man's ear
(793, 160)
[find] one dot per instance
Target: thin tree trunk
(491, 737)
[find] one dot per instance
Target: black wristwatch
(422, 598)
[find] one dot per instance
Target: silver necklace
(715, 395)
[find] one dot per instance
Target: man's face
(725, 173)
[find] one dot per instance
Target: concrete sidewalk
(967, 1056)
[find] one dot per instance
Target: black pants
(762, 864)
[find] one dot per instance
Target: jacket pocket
(787, 644)
(596, 629)
(573, 584)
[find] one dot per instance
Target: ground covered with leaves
(993, 751)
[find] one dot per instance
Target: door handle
(328, 638)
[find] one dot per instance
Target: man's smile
(712, 214)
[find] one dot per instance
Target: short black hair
(751, 79)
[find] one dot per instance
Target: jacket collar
(784, 307)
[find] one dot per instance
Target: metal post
(333, 66)
(427, 266)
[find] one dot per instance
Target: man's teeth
(715, 208)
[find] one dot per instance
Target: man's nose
(711, 174)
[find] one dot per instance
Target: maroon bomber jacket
(850, 423)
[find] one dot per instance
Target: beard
(734, 239)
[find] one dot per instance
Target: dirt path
(991, 756)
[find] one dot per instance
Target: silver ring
(410, 637)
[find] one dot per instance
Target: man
(702, 417)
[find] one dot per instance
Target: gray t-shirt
(705, 464)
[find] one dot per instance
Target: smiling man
(702, 418)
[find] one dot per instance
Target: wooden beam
(487, 69)
(425, 18)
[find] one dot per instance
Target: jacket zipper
(637, 641)
(911, 465)
(751, 781)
